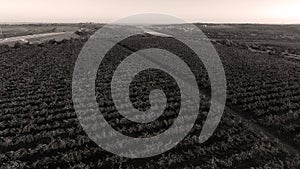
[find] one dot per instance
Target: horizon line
(88, 22)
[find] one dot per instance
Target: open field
(31, 29)
(253, 32)
(10, 34)
(38, 38)
(13, 30)
(260, 127)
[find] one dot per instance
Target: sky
(106, 11)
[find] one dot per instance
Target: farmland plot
(39, 127)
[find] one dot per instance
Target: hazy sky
(249, 11)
